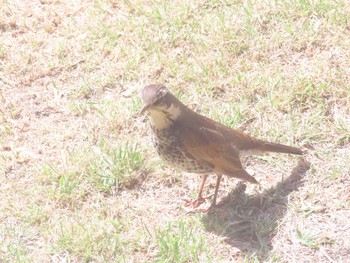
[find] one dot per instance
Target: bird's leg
(200, 199)
(218, 181)
(213, 204)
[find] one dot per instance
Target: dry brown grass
(79, 178)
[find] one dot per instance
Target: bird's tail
(281, 148)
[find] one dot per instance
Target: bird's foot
(197, 202)
(209, 209)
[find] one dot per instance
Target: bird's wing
(205, 141)
(208, 144)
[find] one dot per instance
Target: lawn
(80, 180)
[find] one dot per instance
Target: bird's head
(162, 106)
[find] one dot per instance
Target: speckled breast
(174, 153)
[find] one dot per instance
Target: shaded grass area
(80, 179)
(249, 222)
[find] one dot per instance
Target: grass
(116, 167)
(307, 239)
(181, 244)
(80, 179)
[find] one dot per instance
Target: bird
(193, 143)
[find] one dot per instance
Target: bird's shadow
(250, 222)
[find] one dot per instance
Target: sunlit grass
(80, 181)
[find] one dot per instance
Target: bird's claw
(194, 203)
(206, 210)
(197, 202)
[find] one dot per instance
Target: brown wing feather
(210, 146)
(245, 142)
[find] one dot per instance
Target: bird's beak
(144, 108)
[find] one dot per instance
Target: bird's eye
(162, 92)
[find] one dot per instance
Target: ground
(79, 178)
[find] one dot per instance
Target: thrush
(193, 143)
